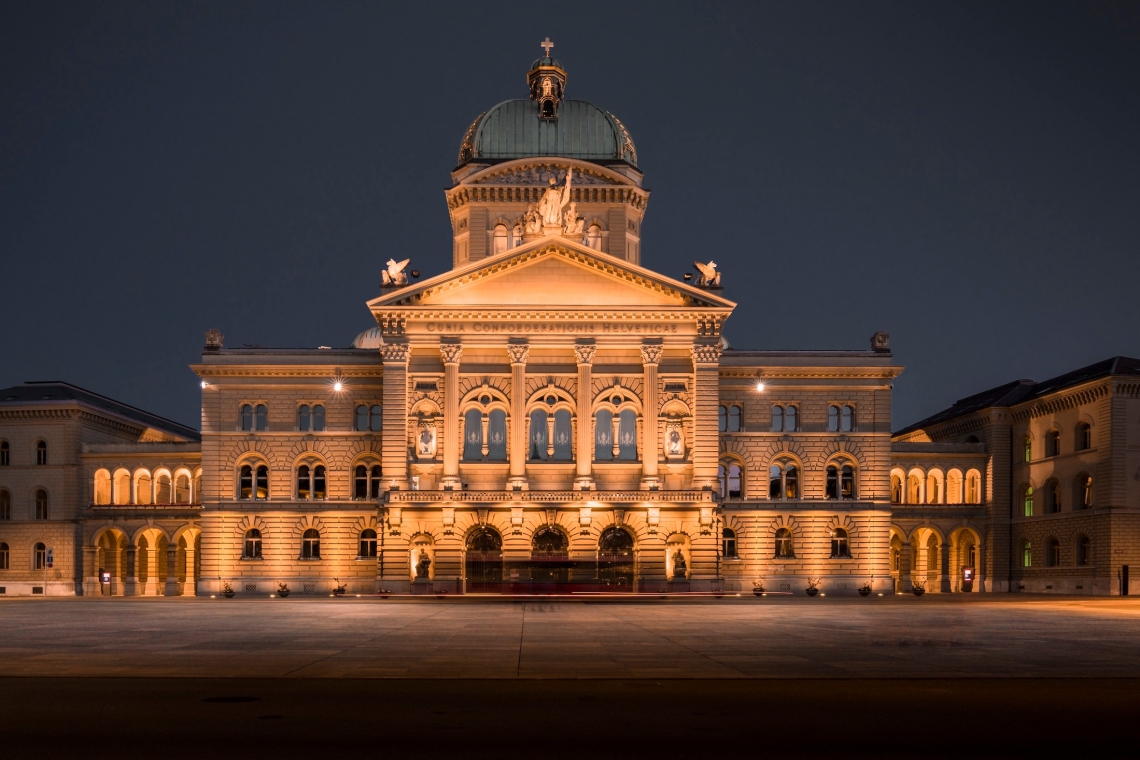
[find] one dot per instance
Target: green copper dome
(514, 129)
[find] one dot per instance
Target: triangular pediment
(552, 273)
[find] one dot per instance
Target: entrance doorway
(549, 561)
(616, 565)
(484, 563)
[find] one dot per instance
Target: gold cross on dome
(546, 45)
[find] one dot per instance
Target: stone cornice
(821, 372)
(586, 498)
(1056, 403)
(322, 371)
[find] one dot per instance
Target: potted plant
(813, 586)
(227, 590)
(865, 589)
(919, 588)
(282, 589)
(758, 587)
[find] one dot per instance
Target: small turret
(547, 81)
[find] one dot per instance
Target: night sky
(961, 175)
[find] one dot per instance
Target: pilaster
(650, 355)
(518, 353)
(394, 450)
(451, 353)
(706, 395)
(584, 355)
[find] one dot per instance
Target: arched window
(497, 436)
(502, 239)
(594, 237)
(5, 505)
(1053, 553)
(1052, 497)
(1027, 448)
(841, 481)
(473, 435)
(41, 504)
(840, 548)
(3, 556)
(162, 489)
(973, 487)
(246, 417)
(954, 487)
(261, 418)
(102, 487)
(1084, 551)
(784, 419)
(41, 452)
(1027, 554)
(253, 482)
(5, 454)
(913, 489)
(538, 435)
(728, 543)
(1083, 492)
(362, 417)
(366, 482)
(367, 544)
(783, 480)
(39, 557)
(847, 419)
(934, 487)
(785, 549)
(1052, 443)
(122, 492)
(896, 559)
(311, 544)
(896, 489)
(1027, 501)
(311, 482)
(729, 475)
(735, 415)
(722, 419)
(376, 418)
(144, 489)
(563, 436)
(304, 418)
(1084, 437)
(627, 435)
(833, 419)
(604, 435)
(196, 490)
(252, 546)
(182, 488)
(318, 418)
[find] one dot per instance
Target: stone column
(706, 399)
(394, 446)
(151, 588)
(518, 353)
(130, 582)
(979, 568)
(114, 559)
(905, 554)
(190, 587)
(650, 355)
(584, 354)
(451, 353)
(171, 588)
(90, 572)
(944, 555)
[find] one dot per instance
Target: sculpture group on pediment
(541, 175)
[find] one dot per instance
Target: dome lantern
(547, 81)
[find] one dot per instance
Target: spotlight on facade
(338, 386)
(204, 383)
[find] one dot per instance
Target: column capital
(705, 354)
(518, 352)
(651, 353)
(395, 353)
(584, 353)
(450, 352)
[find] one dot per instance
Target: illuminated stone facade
(548, 416)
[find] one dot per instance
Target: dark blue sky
(961, 175)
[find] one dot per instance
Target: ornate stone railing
(548, 497)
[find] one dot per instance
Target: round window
(615, 400)
(484, 400)
(550, 399)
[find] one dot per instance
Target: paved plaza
(771, 638)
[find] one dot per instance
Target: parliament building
(551, 415)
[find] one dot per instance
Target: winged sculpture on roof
(394, 275)
(710, 278)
